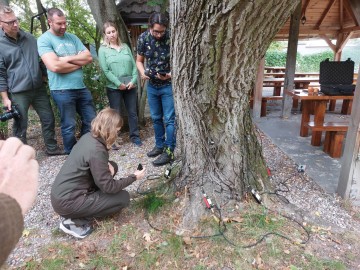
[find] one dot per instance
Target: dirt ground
(299, 226)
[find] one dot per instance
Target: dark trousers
(99, 204)
(40, 101)
(130, 100)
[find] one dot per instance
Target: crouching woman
(85, 187)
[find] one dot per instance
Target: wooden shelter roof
(136, 12)
(326, 18)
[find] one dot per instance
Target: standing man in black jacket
(21, 81)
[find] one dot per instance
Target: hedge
(307, 63)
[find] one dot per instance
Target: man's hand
(19, 172)
(7, 104)
(163, 77)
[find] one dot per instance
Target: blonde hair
(106, 126)
(106, 25)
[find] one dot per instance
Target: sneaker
(115, 146)
(137, 141)
(155, 152)
(166, 157)
(69, 227)
(56, 152)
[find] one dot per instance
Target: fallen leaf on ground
(147, 237)
(187, 240)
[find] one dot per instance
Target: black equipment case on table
(336, 77)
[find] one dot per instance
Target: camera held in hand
(13, 113)
(148, 72)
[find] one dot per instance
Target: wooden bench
(264, 101)
(334, 136)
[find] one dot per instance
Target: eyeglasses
(160, 33)
(11, 23)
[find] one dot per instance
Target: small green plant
(101, 262)
(54, 264)
(151, 202)
(148, 259)
(175, 246)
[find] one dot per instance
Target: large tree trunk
(216, 49)
(42, 18)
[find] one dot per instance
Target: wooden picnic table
(316, 104)
(300, 83)
(297, 74)
(275, 69)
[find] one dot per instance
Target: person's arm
(58, 64)
(140, 66)
(104, 67)
(3, 84)
(99, 167)
(19, 174)
(11, 225)
(81, 59)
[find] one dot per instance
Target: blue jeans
(130, 100)
(161, 103)
(70, 102)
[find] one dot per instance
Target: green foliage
(304, 63)
(3, 127)
(311, 62)
(276, 46)
(274, 58)
(162, 3)
(307, 63)
(95, 81)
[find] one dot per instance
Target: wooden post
(349, 180)
(291, 61)
(256, 112)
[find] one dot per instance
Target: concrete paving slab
(323, 169)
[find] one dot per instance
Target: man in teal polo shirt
(64, 55)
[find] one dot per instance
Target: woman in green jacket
(118, 64)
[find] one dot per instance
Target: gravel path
(307, 199)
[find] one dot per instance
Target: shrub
(275, 58)
(311, 62)
(95, 81)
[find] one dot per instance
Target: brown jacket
(11, 225)
(85, 170)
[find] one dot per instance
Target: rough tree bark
(42, 17)
(107, 10)
(216, 49)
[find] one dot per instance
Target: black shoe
(55, 152)
(166, 157)
(155, 152)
